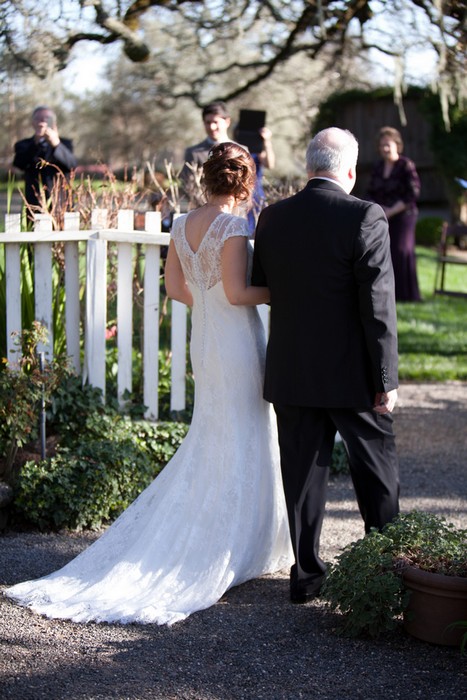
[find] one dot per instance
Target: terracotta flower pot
(436, 601)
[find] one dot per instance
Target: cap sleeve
(177, 227)
(236, 226)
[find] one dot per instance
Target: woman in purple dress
(395, 185)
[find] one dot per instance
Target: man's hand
(45, 126)
(385, 401)
(52, 137)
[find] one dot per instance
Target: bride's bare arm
(175, 283)
(234, 273)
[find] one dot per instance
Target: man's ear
(351, 177)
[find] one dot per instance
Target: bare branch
(266, 34)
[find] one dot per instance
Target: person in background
(216, 121)
(395, 185)
(331, 361)
(43, 155)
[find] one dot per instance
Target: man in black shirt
(43, 155)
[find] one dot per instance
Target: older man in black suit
(332, 354)
(43, 156)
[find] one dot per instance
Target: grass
(433, 333)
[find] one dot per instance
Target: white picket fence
(124, 237)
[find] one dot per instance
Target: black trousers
(306, 440)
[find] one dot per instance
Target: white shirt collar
(329, 179)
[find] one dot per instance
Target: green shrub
(89, 483)
(364, 588)
(428, 231)
(339, 461)
(71, 404)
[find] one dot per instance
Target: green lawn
(433, 333)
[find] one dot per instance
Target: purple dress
(402, 184)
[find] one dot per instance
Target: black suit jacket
(325, 257)
(198, 154)
(195, 155)
(28, 157)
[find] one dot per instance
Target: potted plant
(416, 567)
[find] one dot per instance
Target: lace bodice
(203, 267)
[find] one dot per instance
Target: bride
(215, 516)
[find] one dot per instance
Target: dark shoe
(304, 591)
(301, 597)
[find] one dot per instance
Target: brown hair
(229, 170)
(217, 109)
(393, 134)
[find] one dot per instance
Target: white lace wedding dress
(215, 516)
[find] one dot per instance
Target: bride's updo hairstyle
(229, 170)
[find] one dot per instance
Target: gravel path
(252, 645)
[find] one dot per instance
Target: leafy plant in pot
(416, 567)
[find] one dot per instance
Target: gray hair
(330, 149)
